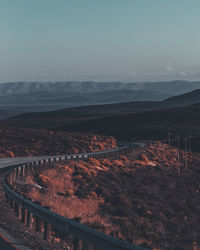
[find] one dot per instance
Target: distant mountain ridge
(89, 93)
(81, 99)
(169, 88)
(21, 97)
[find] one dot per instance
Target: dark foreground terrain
(124, 121)
(148, 125)
(67, 116)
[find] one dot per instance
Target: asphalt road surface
(5, 162)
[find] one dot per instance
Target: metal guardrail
(27, 210)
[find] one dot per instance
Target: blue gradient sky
(102, 40)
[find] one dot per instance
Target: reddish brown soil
(140, 197)
(37, 142)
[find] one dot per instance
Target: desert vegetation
(144, 197)
(36, 142)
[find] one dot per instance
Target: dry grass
(32, 142)
(148, 205)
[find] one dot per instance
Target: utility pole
(169, 138)
(189, 143)
(186, 165)
(178, 152)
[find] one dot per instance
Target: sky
(99, 40)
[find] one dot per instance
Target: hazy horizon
(115, 40)
(125, 82)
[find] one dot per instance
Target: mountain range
(98, 116)
(25, 97)
(86, 93)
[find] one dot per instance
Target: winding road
(10, 163)
(6, 162)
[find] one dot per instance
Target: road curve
(78, 230)
(6, 162)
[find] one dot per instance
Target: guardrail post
(17, 173)
(117, 153)
(24, 215)
(14, 174)
(29, 219)
(9, 179)
(77, 243)
(22, 171)
(32, 168)
(16, 209)
(20, 211)
(47, 230)
(26, 168)
(6, 196)
(38, 224)
(11, 201)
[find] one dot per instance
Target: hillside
(146, 125)
(63, 117)
(139, 120)
(187, 98)
(6, 113)
(31, 142)
(138, 197)
(58, 118)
